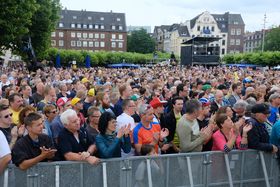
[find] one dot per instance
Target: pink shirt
(219, 141)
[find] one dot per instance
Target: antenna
(264, 22)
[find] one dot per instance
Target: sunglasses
(8, 115)
(52, 111)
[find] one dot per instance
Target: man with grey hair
(239, 109)
(74, 143)
(147, 131)
(274, 101)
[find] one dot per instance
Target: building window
(113, 27)
(237, 42)
(113, 44)
(238, 31)
(96, 44)
(118, 19)
(102, 44)
(90, 35)
(79, 26)
(72, 25)
(73, 34)
(101, 18)
(79, 43)
(213, 28)
(90, 26)
(79, 35)
(224, 35)
(102, 36)
(60, 43)
(53, 43)
(235, 22)
(120, 36)
(120, 45)
(53, 34)
(223, 42)
(74, 17)
(84, 35)
(89, 18)
(90, 44)
(223, 26)
(84, 43)
(60, 24)
(61, 16)
(232, 41)
(73, 43)
(84, 26)
(60, 34)
(120, 28)
(113, 36)
(223, 51)
(96, 26)
(101, 26)
(232, 31)
(96, 35)
(198, 28)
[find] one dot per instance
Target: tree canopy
(22, 19)
(140, 42)
(272, 40)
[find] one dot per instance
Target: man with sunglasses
(10, 132)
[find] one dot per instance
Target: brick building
(91, 31)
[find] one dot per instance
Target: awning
(201, 39)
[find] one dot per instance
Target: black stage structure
(200, 51)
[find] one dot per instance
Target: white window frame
(73, 25)
(60, 34)
(113, 36)
(113, 44)
(102, 27)
(120, 44)
(232, 31)
(102, 35)
(96, 26)
(232, 42)
(113, 27)
(90, 44)
(85, 35)
(73, 35)
(120, 28)
(79, 35)
(120, 36)
(79, 44)
(60, 43)
(102, 44)
(79, 25)
(73, 43)
(85, 43)
(53, 43)
(96, 44)
(90, 35)
(61, 25)
(96, 35)
(90, 26)
(53, 34)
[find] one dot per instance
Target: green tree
(15, 20)
(272, 40)
(20, 19)
(140, 42)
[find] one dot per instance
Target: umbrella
(57, 61)
(87, 61)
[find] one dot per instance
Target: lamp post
(263, 33)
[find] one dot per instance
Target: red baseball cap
(62, 101)
(156, 102)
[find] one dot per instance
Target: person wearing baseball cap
(203, 120)
(158, 107)
(258, 136)
(88, 102)
(77, 105)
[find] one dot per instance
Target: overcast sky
(166, 12)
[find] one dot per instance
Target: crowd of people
(99, 113)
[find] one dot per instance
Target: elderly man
(35, 147)
(93, 119)
(218, 101)
(148, 132)
(74, 143)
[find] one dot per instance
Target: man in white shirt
(5, 152)
(128, 107)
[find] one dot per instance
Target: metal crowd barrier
(238, 168)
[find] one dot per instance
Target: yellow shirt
(176, 138)
(15, 116)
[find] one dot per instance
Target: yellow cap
(75, 100)
(91, 92)
(84, 80)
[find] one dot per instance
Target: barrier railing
(238, 168)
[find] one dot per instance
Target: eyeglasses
(52, 111)
(8, 115)
(95, 116)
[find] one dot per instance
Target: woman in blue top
(108, 142)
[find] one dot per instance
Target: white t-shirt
(125, 119)
(4, 146)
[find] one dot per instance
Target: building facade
(228, 27)
(90, 31)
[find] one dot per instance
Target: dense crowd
(88, 114)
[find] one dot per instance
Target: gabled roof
(108, 19)
(183, 31)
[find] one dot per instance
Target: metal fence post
(167, 172)
(264, 169)
(6, 178)
(104, 169)
(150, 182)
(57, 179)
(228, 170)
(190, 171)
